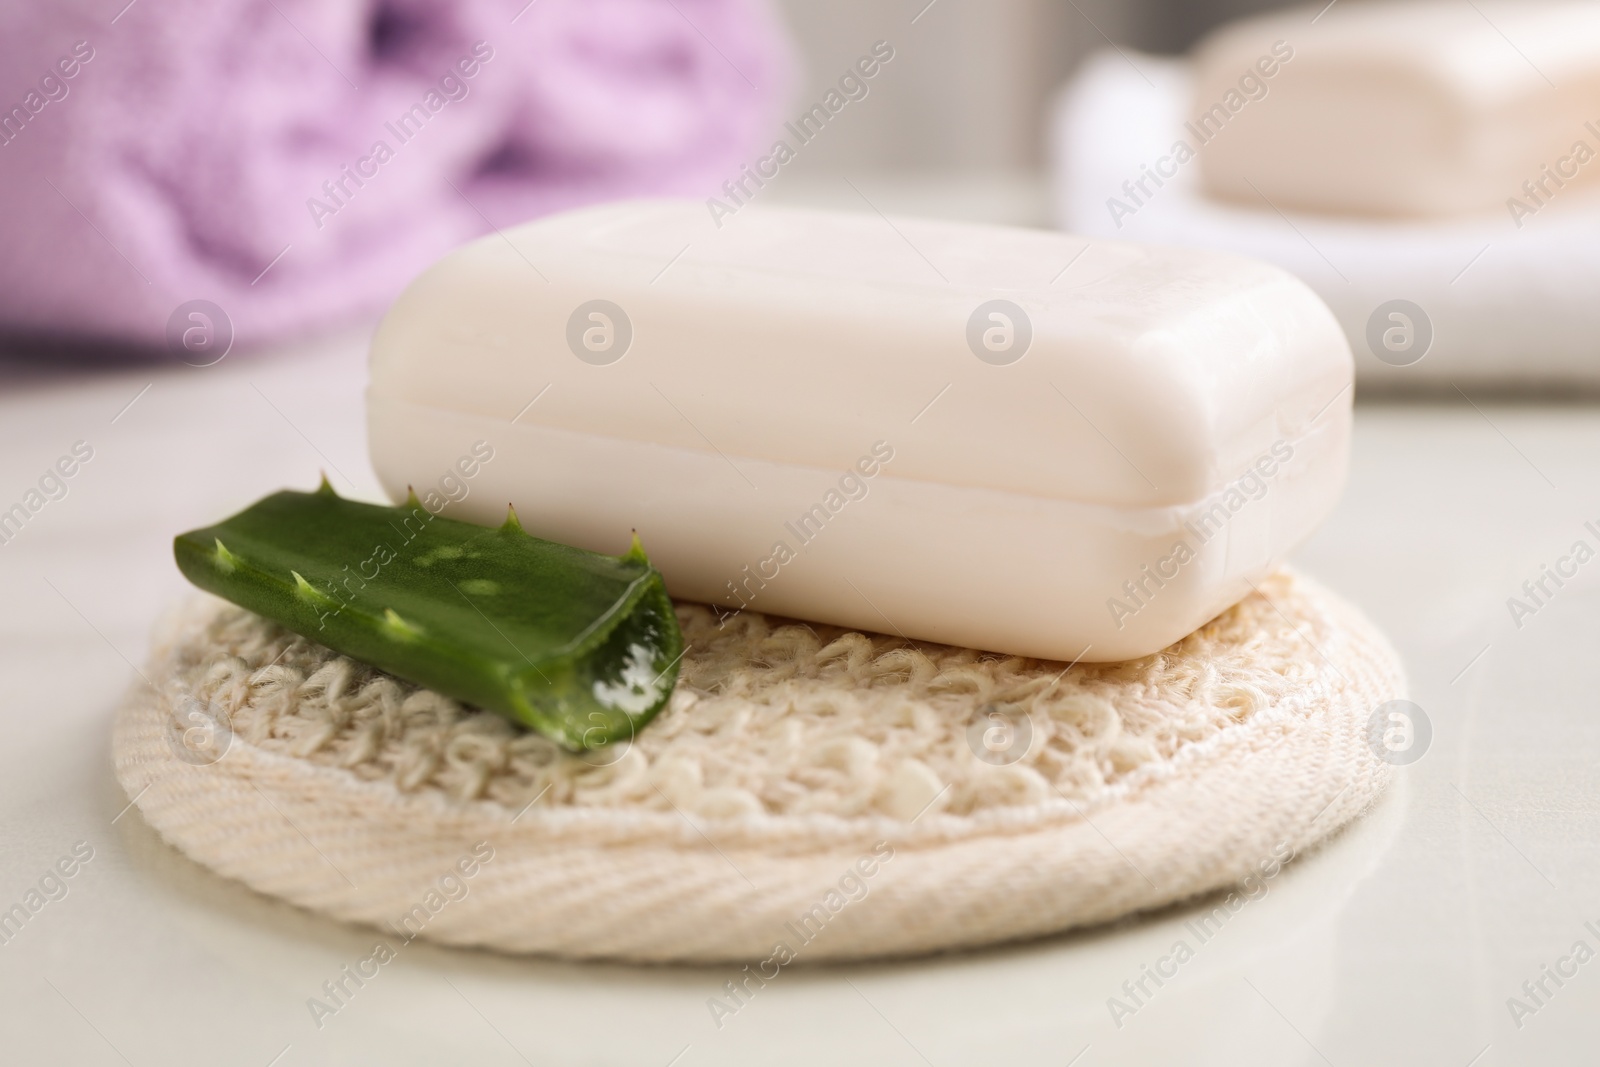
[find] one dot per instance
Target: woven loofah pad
(836, 793)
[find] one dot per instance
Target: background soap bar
(1013, 440)
(1411, 108)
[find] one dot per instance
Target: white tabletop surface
(1398, 943)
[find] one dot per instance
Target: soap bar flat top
(1109, 373)
(1484, 50)
(1396, 107)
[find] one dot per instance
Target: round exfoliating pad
(840, 794)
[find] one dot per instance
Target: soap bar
(1012, 440)
(1400, 108)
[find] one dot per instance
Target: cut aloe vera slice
(582, 647)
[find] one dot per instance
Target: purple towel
(296, 162)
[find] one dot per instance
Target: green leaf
(579, 646)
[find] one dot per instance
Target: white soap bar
(1013, 440)
(1403, 108)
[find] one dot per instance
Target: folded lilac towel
(296, 162)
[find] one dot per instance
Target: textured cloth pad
(923, 797)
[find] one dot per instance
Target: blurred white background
(971, 81)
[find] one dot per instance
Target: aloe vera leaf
(579, 646)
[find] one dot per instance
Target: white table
(1399, 943)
